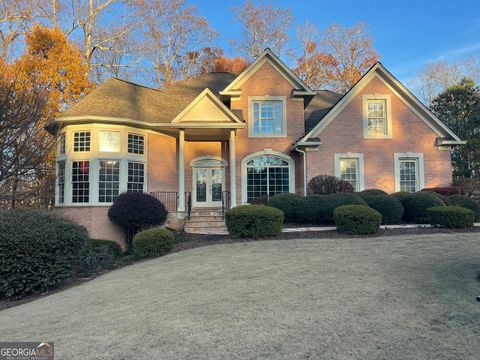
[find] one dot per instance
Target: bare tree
(175, 37)
(434, 78)
(24, 144)
(264, 26)
(14, 17)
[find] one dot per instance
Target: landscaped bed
(398, 297)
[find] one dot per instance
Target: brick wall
(410, 134)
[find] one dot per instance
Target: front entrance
(208, 183)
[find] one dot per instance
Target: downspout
(304, 169)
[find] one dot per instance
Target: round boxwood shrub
(333, 201)
(97, 255)
(254, 221)
(288, 203)
(153, 242)
(326, 184)
(416, 205)
(373, 192)
(38, 250)
(134, 211)
(465, 202)
(445, 190)
(450, 216)
(357, 219)
(390, 207)
(400, 195)
(311, 209)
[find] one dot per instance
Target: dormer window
(267, 116)
(377, 123)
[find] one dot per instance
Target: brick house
(225, 140)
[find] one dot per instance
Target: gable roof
(446, 135)
(267, 56)
(125, 100)
(320, 105)
(206, 107)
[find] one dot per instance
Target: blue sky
(408, 34)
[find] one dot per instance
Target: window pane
(61, 144)
(256, 119)
(376, 109)
(377, 124)
(349, 171)
(61, 181)
(408, 175)
(136, 177)
(109, 141)
(136, 144)
(267, 175)
(267, 117)
(81, 141)
(80, 181)
(109, 180)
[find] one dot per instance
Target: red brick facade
(343, 135)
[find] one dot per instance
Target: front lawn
(398, 297)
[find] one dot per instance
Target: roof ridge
(135, 84)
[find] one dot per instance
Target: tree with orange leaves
(338, 60)
(234, 65)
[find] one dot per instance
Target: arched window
(267, 175)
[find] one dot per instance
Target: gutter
(304, 154)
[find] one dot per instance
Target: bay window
(136, 177)
(80, 181)
(109, 141)
(81, 141)
(108, 181)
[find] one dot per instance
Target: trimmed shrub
(311, 209)
(400, 195)
(390, 207)
(357, 220)
(326, 184)
(288, 203)
(373, 192)
(262, 200)
(153, 242)
(333, 201)
(416, 205)
(465, 202)
(97, 255)
(254, 221)
(451, 216)
(134, 211)
(445, 190)
(38, 250)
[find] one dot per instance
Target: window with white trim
(377, 117)
(267, 175)
(109, 141)
(136, 144)
(61, 144)
(268, 118)
(409, 175)
(108, 180)
(349, 171)
(61, 181)
(136, 177)
(80, 181)
(81, 141)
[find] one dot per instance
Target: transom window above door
(377, 122)
(267, 118)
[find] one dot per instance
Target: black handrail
(167, 198)
(225, 202)
(188, 199)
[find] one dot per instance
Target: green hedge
(153, 242)
(390, 207)
(373, 192)
(287, 202)
(451, 216)
(357, 220)
(400, 195)
(38, 250)
(254, 221)
(465, 202)
(97, 255)
(416, 205)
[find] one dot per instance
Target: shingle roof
(123, 99)
(320, 105)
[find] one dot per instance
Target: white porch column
(181, 170)
(233, 169)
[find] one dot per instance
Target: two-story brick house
(225, 139)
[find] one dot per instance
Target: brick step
(199, 222)
(205, 213)
(205, 218)
(206, 230)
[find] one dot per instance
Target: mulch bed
(186, 241)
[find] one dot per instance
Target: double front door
(208, 186)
